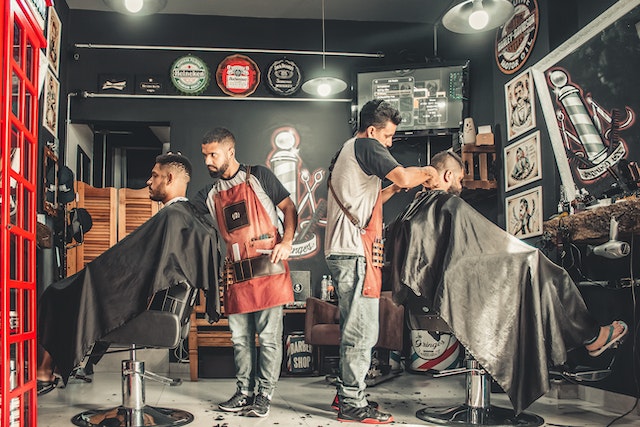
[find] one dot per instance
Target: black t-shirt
(374, 158)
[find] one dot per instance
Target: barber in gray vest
(353, 247)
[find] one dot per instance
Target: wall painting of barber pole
(590, 95)
(303, 185)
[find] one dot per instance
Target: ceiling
(419, 11)
(427, 12)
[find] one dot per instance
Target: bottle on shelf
(324, 288)
(331, 290)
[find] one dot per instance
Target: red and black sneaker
(335, 405)
(365, 415)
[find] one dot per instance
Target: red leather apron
(243, 220)
(373, 252)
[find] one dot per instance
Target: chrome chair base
(122, 417)
(465, 415)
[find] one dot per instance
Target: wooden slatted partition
(134, 208)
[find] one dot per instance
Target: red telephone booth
(21, 40)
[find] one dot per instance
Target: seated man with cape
(176, 245)
(515, 311)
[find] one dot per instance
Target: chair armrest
(391, 325)
(320, 312)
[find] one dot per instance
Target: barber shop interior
(196, 230)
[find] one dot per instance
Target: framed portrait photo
(522, 161)
(51, 103)
(524, 213)
(520, 105)
(54, 33)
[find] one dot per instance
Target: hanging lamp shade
(136, 7)
(324, 85)
(473, 16)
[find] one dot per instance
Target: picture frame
(54, 35)
(51, 104)
(522, 162)
(576, 67)
(524, 213)
(520, 106)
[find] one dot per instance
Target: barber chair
(163, 325)
(477, 409)
(322, 328)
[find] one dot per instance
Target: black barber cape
(175, 245)
(512, 308)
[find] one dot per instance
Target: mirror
(50, 182)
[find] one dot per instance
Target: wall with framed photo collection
(522, 159)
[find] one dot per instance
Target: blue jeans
(268, 325)
(358, 327)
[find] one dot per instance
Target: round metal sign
(238, 75)
(516, 38)
(190, 75)
(284, 77)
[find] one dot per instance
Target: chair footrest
(116, 417)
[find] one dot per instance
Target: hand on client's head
(433, 178)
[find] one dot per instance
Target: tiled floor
(305, 401)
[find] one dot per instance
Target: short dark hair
(218, 135)
(175, 159)
(377, 113)
(441, 160)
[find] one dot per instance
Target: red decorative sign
(516, 38)
(238, 75)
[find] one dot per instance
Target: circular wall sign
(238, 75)
(284, 77)
(190, 75)
(516, 38)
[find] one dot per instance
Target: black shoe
(335, 405)
(366, 415)
(260, 407)
(237, 403)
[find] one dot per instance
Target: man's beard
(221, 170)
(156, 196)
(456, 191)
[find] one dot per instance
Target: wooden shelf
(593, 224)
(479, 167)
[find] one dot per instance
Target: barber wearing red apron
(353, 247)
(243, 204)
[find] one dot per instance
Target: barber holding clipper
(243, 204)
(353, 247)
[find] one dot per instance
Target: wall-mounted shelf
(479, 167)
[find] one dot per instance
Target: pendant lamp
(136, 7)
(324, 85)
(474, 16)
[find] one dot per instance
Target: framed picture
(51, 103)
(524, 213)
(520, 105)
(54, 33)
(590, 100)
(522, 162)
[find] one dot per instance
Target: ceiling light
(324, 86)
(472, 16)
(136, 7)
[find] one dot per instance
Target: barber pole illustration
(589, 132)
(434, 351)
(285, 162)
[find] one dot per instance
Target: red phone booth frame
(21, 40)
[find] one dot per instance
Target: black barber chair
(477, 409)
(162, 325)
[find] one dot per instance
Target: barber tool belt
(377, 253)
(246, 269)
